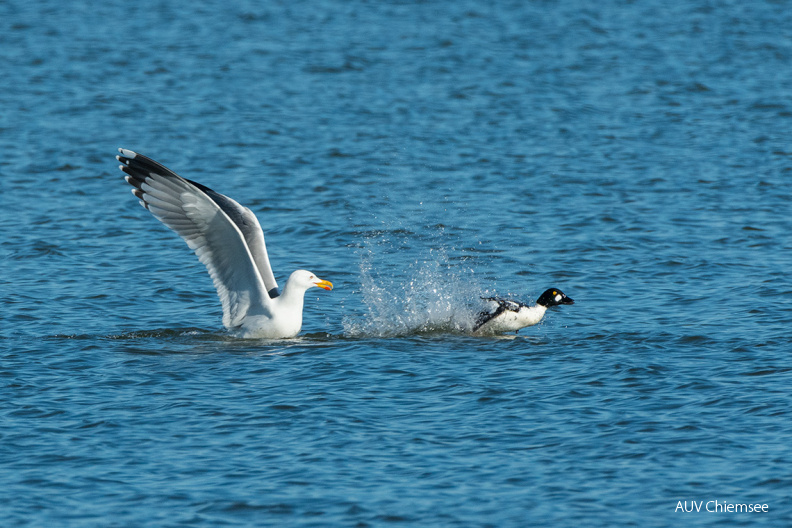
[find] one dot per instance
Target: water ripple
(419, 156)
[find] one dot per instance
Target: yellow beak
(325, 285)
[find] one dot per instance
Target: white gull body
(228, 240)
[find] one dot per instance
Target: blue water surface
(419, 154)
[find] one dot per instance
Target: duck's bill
(566, 300)
(325, 285)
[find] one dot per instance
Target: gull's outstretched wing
(249, 225)
(197, 217)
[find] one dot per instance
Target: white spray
(430, 294)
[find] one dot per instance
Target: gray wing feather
(249, 225)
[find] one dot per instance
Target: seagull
(504, 315)
(228, 240)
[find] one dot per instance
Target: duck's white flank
(512, 321)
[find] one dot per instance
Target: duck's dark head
(553, 297)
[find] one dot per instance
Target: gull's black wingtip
(126, 153)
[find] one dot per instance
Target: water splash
(431, 293)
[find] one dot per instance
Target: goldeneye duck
(504, 315)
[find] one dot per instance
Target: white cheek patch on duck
(558, 298)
